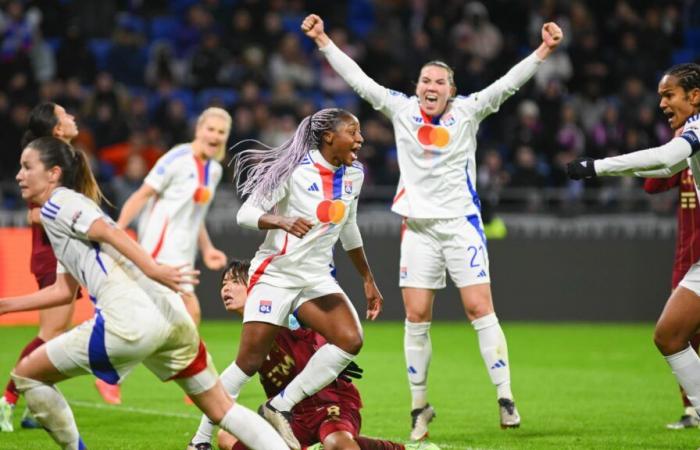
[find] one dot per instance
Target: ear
(453, 91)
(694, 97)
(55, 174)
(327, 137)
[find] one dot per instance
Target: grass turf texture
(577, 386)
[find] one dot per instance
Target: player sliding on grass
(442, 228)
(136, 318)
(679, 90)
(305, 192)
(330, 418)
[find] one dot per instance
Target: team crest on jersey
(265, 306)
(448, 120)
(403, 272)
(74, 219)
(347, 186)
(417, 119)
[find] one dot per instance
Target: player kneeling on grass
(139, 317)
(329, 419)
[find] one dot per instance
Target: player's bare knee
(249, 362)
(668, 342)
(350, 342)
(418, 316)
(340, 440)
(225, 441)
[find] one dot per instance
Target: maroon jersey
(290, 353)
(43, 261)
(688, 233)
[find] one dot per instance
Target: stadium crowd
(136, 73)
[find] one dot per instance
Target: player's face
(434, 89)
(66, 128)
(211, 135)
(233, 294)
(675, 102)
(35, 181)
(344, 142)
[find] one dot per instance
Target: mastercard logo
(202, 195)
(331, 211)
(429, 135)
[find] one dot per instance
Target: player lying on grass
(329, 419)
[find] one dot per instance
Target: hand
(214, 259)
(551, 35)
(312, 26)
(351, 371)
(172, 277)
(298, 226)
(375, 301)
(581, 168)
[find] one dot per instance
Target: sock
(366, 443)
(418, 350)
(323, 367)
(251, 429)
(695, 343)
(686, 367)
(233, 379)
(11, 392)
(51, 410)
(494, 351)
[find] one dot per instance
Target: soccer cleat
(688, 420)
(6, 410)
(110, 393)
(316, 446)
(420, 418)
(282, 422)
(28, 421)
(200, 446)
(421, 445)
(509, 413)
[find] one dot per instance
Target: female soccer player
(679, 90)
(46, 119)
(328, 419)
(305, 192)
(136, 319)
(442, 228)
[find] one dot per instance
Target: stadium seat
(100, 49)
(226, 96)
(692, 39)
(682, 56)
(164, 27)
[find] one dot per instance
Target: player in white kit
(435, 136)
(679, 90)
(136, 319)
(305, 192)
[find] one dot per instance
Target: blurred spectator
(118, 155)
(127, 183)
(208, 63)
(289, 63)
(74, 59)
(475, 34)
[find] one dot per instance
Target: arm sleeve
(359, 81)
(253, 208)
(350, 235)
(160, 175)
(76, 214)
(668, 155)
(663, 175)
(490, 99)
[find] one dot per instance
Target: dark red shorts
(313, 425)
(45, 279)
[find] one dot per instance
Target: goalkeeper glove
(581, 168)
(351, 371)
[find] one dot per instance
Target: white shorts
(155, 330)
(691, 280)
(429, 246)
(273, 304)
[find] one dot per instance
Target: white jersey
(436, 155)
(66, 217)
(318, 191)
(169, 225)
(664, 161)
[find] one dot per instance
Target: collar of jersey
(318, 158)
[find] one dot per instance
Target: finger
(182, 266)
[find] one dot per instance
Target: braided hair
(687, 74)
(267, 169)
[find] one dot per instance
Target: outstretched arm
(61, 292)
(366, 87)
(133, 206)
(166, 275)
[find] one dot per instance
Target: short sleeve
(73, 213)
(160, 175)
(60, 268)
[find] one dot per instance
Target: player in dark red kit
(330, 418)
(687, 253)
(46, 119)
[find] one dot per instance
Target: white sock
(418, 351)
(51, 410)
(323, 367)
(251, 429)
(494, 351)
(233, 379)
(686, 367)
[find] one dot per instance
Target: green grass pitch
(577, 386)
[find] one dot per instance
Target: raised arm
(61, 292)
(365, 87)
(169, 276)
(133, 206)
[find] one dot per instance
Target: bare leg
(192, 305)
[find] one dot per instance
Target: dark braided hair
(687, 74)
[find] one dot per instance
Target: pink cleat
(111, 393)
